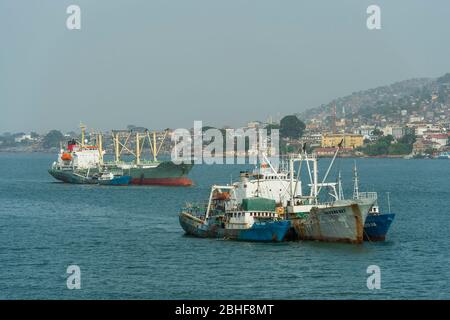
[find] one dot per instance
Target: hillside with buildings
(407, 101)
(408, 117)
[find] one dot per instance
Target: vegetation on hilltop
(53, 139)
(386, 145)
(291, 127)
(414, 95)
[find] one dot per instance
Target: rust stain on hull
(359, 223)
(346, 228)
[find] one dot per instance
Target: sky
(166, 63)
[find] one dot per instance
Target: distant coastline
(54, 152)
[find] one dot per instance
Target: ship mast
(100, 147)
(138, 153)
(313, 178)
(154, 143)
(154, 149)
(291, 177)
(355, 182)
(329, 167)
(116, 146)
(83, 132)
(316, 177)
(341, 192)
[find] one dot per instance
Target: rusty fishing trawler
(253, 219)
(81, 163)
(336, 220)
(273, 180)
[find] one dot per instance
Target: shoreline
(322, 157)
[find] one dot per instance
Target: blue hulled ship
(111, 179)
(254, 219)
(377, 226)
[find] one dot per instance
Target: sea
(128, 244)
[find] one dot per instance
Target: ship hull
(165, 174)
(116, 181)
(71, 177)
(340, 223)
(183, 181)
(272, 231)
(377, 226)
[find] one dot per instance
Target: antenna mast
(83, 133)
(341, 192)
(355, 182)
(100, 147)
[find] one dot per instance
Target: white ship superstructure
(78, 158)
(265, 181)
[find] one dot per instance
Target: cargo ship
(254, 219)
(81, 163)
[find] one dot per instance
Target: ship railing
(328, 204)
(142, 161)
(115, 172)
(57, 166)
(197, 209)
(149, 161)
(368, 195)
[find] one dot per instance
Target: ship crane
(140, 141)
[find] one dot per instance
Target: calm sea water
(129, 245)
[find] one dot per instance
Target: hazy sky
(167, 63)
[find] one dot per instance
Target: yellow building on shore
(348, 140)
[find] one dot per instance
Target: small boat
(110, 179)
(377, 224)
(444, 155)
(255, 219)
